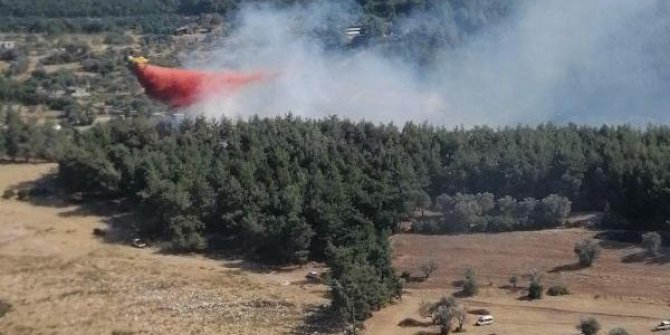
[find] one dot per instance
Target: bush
(589, 326)
(23, 194)
(558, 290)
(470, 287)
(8, 194)
(428, 268)
(5, 307)
(618, 331)
(535, 290)
(587, 251)
(513, 280)
(9, 55)
(535, 287)
(651, 242)
(18, 66)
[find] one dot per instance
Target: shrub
(651, 242)
(587, 251)
(428, 268)
(589, 326)
(558, 290)
(535, 286)
(5, 307)
(8, 194)
(513, 281)
(618, 331)
(405, 275)
(445, 312)
(470, 287)
(535, 290)
(23, 194)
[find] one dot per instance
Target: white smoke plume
(584, 61)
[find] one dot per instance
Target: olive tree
(446, 312)
(443, 314)
(587, 251)
(589, 326)
(535, 286)
(470, 286)
(428, 268)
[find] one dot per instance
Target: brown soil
(621, 289)
(61, 279)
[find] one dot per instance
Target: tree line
(622, 170)
(481, 212)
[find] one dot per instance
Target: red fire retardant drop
(182, 88)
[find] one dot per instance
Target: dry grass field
(621, 289)
(60, 279)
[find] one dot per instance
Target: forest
(392, 170)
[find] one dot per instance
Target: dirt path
(60, 279)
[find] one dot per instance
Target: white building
(353, 32)
(7, 44)
(77, 92)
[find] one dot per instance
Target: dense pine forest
(292, 189)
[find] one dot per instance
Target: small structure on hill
(77, 92)
(7, 45)
(188, 29)
(352, 32)
(355, 35)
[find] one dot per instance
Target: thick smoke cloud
(596, 61)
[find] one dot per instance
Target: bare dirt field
(622, 288)
(60, 279)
